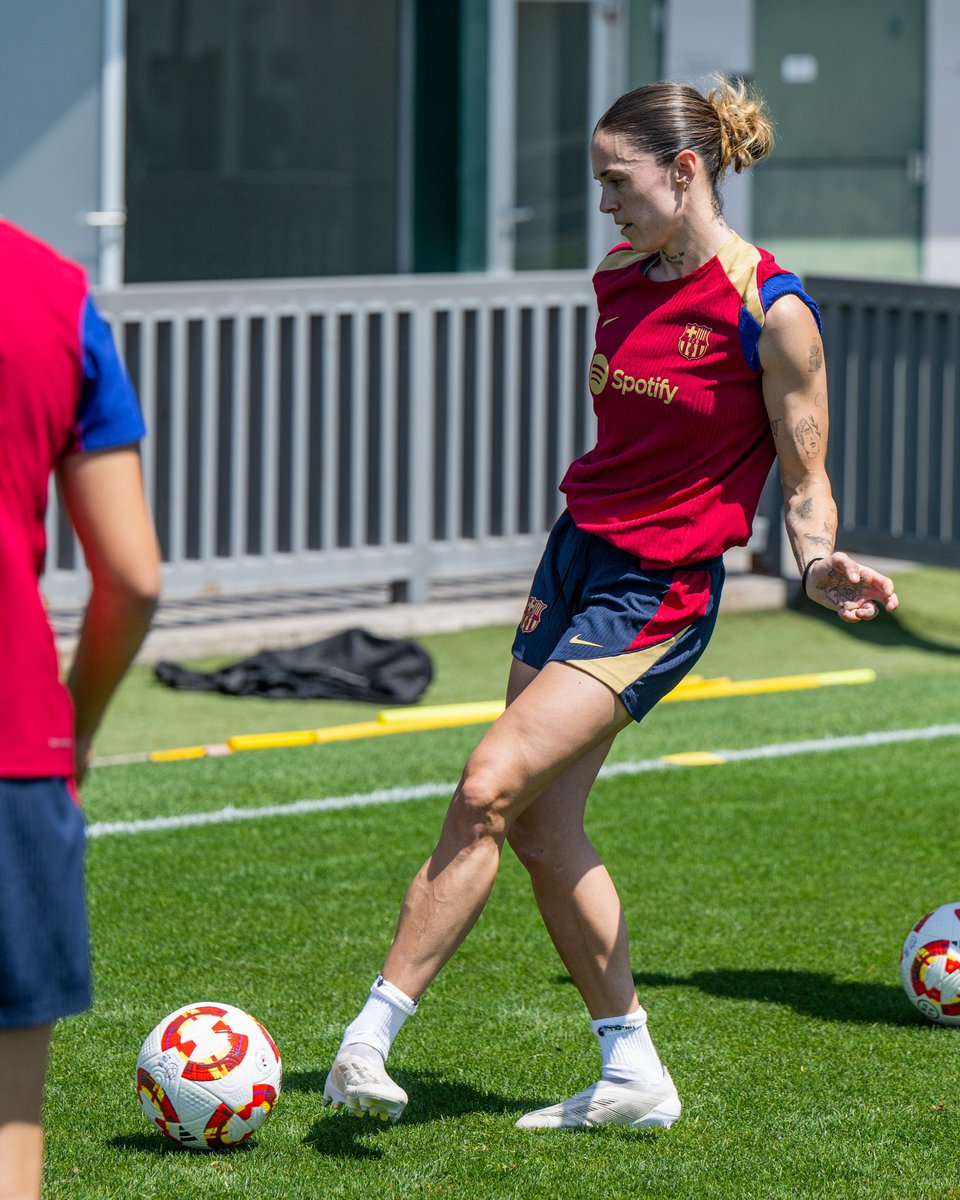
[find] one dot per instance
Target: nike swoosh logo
(579, 641)
(607, 322)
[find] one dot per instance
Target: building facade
(172, 140)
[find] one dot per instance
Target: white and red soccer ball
(208, 1075)
(930, 965)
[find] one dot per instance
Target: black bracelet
(806, 572)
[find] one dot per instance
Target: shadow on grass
(811, 993)
(887, 630)
(342, 1135)
(149, 1143)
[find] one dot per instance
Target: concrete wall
(50, 66)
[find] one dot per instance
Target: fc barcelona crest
(532, 614)
(694, 341)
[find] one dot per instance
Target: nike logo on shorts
(577, 640)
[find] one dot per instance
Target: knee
(549, 850)
(483, 801)
(533, 846)
(527, 845)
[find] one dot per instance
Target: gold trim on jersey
(620, 671)
(740, 261)
(622, 258)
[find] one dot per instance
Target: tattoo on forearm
(820, 400)
(815, 358)
(775, 426)
(819, 542)
(806, 433)
(804, 510)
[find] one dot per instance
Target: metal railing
(404, 429)
(893, 361)
(318, 432)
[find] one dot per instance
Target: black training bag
(353, 665)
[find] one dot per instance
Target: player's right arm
(104, 497)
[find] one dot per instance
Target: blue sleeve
(108, 414)
(776, 286)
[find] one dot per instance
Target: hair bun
(746, 134)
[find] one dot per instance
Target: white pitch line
(122, 760)
(222, 816)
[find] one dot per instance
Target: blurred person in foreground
(708, 366)
(67, 408)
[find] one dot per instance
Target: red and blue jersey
(63, 390)
(683, 439)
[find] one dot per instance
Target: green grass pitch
(767, 901)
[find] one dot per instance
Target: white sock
(629, 1055)
(380, 1020)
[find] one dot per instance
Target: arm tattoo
(806, 434)
(804, 510)
(775, 426)
(815, 358)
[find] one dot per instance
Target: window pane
(552, 130)
(841, 192)
(239, 159)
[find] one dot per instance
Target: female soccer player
(708, 364)
(66, 407)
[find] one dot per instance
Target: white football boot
(605, 1103)
(364, 1087)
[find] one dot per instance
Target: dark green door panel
(842, 192)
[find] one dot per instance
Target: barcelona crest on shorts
(694, 341)
(532, 614)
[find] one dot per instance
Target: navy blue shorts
(44, 942)
(596, 607)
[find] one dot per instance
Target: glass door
(266, 139)
(843, 191)
(554, 67)
(553, 94)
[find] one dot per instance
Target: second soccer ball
(930, 965)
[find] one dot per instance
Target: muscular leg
(528, 781)
(23, 1069)
(574, 892)
(560, 717)
(582, 912)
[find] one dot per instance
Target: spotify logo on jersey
(658, 386)
(599, 370)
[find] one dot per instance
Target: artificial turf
(767, 901)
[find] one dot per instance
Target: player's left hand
(853, 591)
